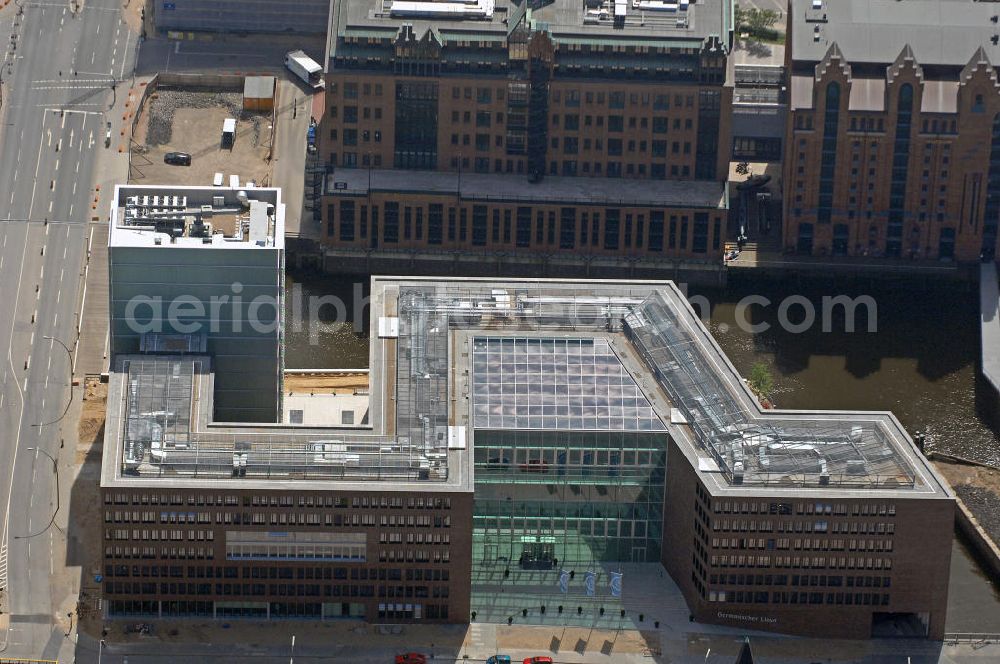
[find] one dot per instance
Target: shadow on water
(920, 361)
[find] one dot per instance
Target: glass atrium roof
(565, 384)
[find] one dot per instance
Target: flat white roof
(270, 230)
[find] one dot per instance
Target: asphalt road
(57, 90)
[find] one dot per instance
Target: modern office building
(893, 139)
(206, 265)
(520, 431)
(514, 110)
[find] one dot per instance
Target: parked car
(537, 660)
(498, 463)
(499, 659)
(411, 658)
(535, 466)
(177, 158)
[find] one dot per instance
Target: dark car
(177, 158)
(498, 463)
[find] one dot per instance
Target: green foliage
(761, 381)
(743, 168)
(757, 23)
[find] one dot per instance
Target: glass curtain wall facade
(570, 457)
(567, 499)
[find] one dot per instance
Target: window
(656, 230)
(611, 228)
(391, 232)
(523, 231)
(699, 244)
(346, 221)
(435, 219)
(567, 228)
(831, 119)
(479, 225)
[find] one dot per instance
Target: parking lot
(191, 122)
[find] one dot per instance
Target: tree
(743, 168)
(761, 381)
(757, 23)
(761, 19)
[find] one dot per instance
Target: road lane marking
(75, 80)
(4, 542)
(125, 55)
(71, 86)
(38, 163)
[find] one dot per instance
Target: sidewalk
(111, 170)
(356, 643)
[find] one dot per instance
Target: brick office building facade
(788, 562)
(489, 213)
(287, 554)
(539, 94)
(892, 150)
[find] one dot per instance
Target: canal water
(919, 361)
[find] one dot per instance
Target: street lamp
(55, 469)
(69, 354)
(100, 650)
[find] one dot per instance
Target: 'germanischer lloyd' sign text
(753, 619)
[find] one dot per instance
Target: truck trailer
(305, 68)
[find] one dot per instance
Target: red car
(537, 660)
(413, 658)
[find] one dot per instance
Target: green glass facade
(567, 499)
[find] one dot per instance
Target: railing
(978, 640)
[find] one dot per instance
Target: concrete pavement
(56, 98)
(292, 118)
(353, 643)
